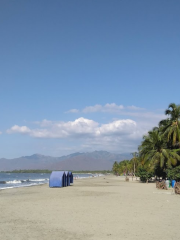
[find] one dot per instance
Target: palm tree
(135, 161)
(115, 167)
(155, 151)
(126, 167)
(171, 126)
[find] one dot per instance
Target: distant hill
(97, 160)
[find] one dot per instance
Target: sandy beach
(92, 209)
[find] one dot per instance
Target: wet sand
(92, 209)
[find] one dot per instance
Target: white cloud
(80, 128)
(0, 132)
(120, 110)
(50, 129)
(109, 107)
(135, 108)
(123, 134)
(17, 129)
(74, 110)
(114, 135)
(118, 127)
(95, 108)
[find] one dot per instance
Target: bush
(144, 174)
(160, 172)
(174, 173)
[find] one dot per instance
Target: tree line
(159, 152)
(50, 171)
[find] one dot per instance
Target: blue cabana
(67, 178)
(71, 177)
(57, 179)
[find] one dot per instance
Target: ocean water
(15, 180)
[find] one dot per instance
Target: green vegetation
(93, 172)
(174, 173)
(49, 171)
(159, 152)
(144, 174)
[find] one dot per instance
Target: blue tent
(71, 177)
(67, 178)
(57, 179)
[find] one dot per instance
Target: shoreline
(98, 208)
(31, 180)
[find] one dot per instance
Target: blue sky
(85, 75)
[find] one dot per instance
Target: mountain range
(97, 160)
